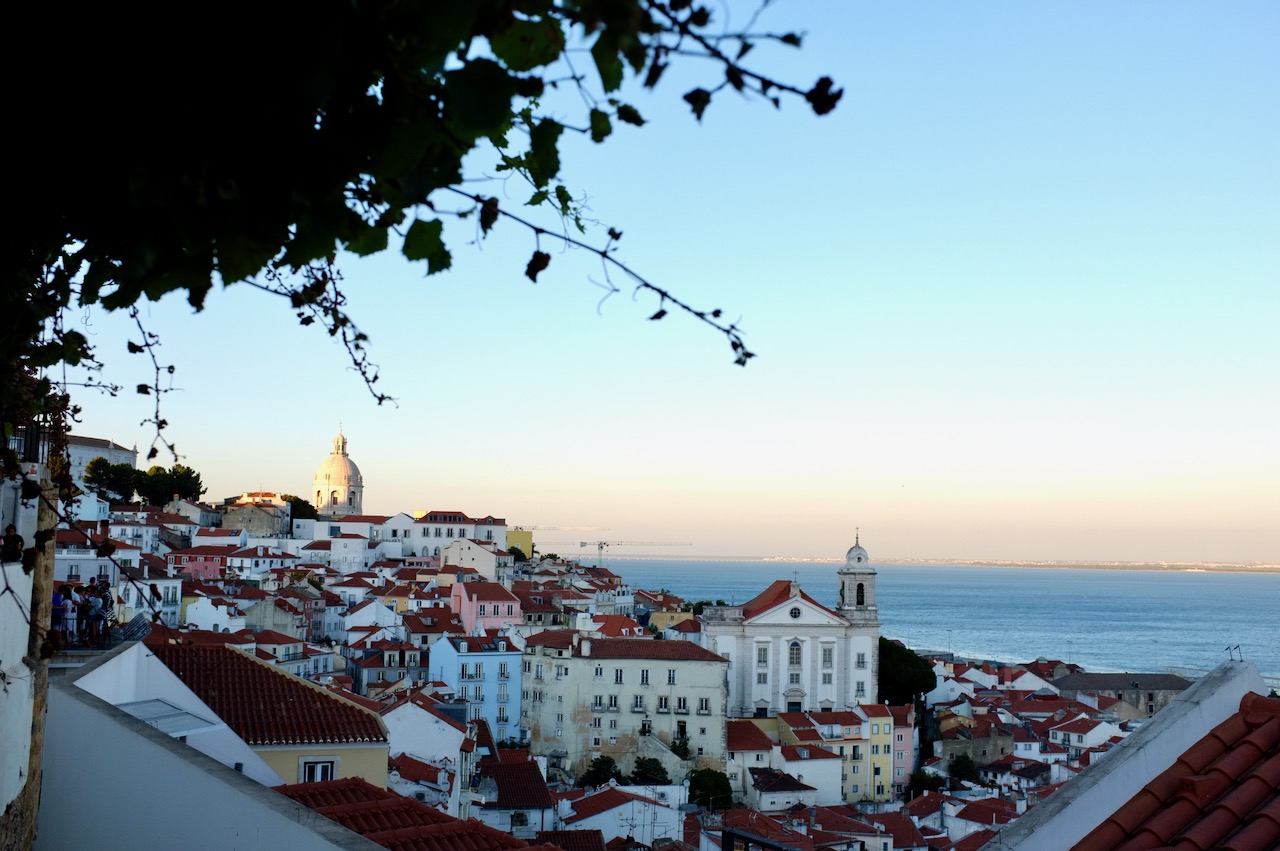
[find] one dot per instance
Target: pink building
(485, 606)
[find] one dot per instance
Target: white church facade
(789, 653)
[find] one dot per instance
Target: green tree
(963, 768)
(521, 558)
(922, 781)
(350, 131)
(648, 772)
(601, 771)
(300, 509)
(904, 675)
(112, 482)
(710, 788)
(157, 486)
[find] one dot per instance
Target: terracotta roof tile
(393, 821)
(520, 784)
(264, 705)
(606, 799)
(1223, 792)
(573, 840)
(745, 736)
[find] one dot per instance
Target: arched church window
(333, 497)
(319, 498)
(351, 498)
(861, 595)
(793, 654)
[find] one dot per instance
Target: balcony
(704, 711)
(640, 709)
(664, 710)
(682, 710)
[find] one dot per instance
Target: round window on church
(795, 613)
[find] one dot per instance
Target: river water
(1105, 620)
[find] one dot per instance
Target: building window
(597, 722)
(613, 702)
(599, 671)
(762, 678)
(875, 750)
(644, 676)
(318, 770)
(826, 679)
(637, 703)
(664, 704)
(762, 656)
(597, 702)
(793, 654)
(613, 723)
(671, 676)
(861, 661)
(682, 705)
(828, 657)
(617, 676)
(704, 705)
(861, 690)
(861, 595)
(793, 678)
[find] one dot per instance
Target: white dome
(338, 485)
(339, 470)
(856, 555)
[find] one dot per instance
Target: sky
(1015, 299)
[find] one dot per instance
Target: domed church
(338, 486)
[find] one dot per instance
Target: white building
(789, 653)
(623, 698)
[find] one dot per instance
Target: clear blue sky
(1016, 298)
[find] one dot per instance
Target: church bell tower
(858, 587)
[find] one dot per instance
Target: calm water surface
(1105, 620)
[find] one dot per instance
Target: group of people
(83, 614)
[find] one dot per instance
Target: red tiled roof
(606, 799)
(574, 840)
(904, 830)
(745, 736)
(264, 705)
(625, 648)
(775, 595)
(487, 591)
(773, 780)
(989, 811)
(798, 752)
(1223, 792)
(520, 785)
(393, 821)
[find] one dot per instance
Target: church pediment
(796, 611)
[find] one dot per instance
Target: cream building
(789, 653)
(622, 698)
(338, 486)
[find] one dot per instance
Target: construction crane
(560, 529)
(600, 545)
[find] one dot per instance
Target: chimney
(585, 647)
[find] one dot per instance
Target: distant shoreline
(1153, 567)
